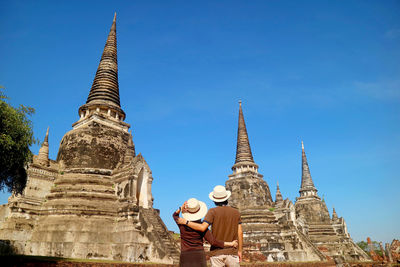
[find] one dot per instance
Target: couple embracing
(225, 237)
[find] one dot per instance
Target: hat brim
(198, 215)
(228, 194)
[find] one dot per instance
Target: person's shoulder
(216, 210)
(212, 210)
(233, 209)
(224, 209)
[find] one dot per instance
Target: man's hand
(240, 256)
(235, 243)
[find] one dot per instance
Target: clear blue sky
(327, 72)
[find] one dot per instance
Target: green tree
(363, 245)
(375, 245)
(377, 248)
(16, 136)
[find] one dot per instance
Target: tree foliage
(16, 136)
(375, 244)
(363, 245)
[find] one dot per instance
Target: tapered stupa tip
(243, 151)
(115, 16)
(302, 145)
(46, 138)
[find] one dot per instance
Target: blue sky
(326, 72)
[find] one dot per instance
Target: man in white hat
(225, 225)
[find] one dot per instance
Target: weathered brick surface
(395, 250)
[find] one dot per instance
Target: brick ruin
(280, 230)
(393, 251)
(389, 254)
(94, 201)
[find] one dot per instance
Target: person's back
(190, 239)
(224, 222)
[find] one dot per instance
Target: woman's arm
(211, 239)
(218, 243)
(234, 244)
(175, 215)
(195, 226)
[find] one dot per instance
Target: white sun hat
(219, 194)
(195, 210)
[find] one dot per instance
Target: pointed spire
(105, 84)
(334, 215)
(306, 180)
(278, 196)
(46, 138)
(43, 156)
(243, 150)
(105, 88)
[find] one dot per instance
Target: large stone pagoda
(280, 230)
(94, 201)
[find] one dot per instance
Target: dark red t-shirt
(192, 239)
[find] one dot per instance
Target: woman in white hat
(192, 251)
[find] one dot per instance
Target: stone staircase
(322, 232)
(160, 231)
(257, 215)
(309, 243)
(268, 238)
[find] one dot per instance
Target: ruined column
(382, 251)
(388, 253)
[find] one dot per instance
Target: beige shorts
(225, 260)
